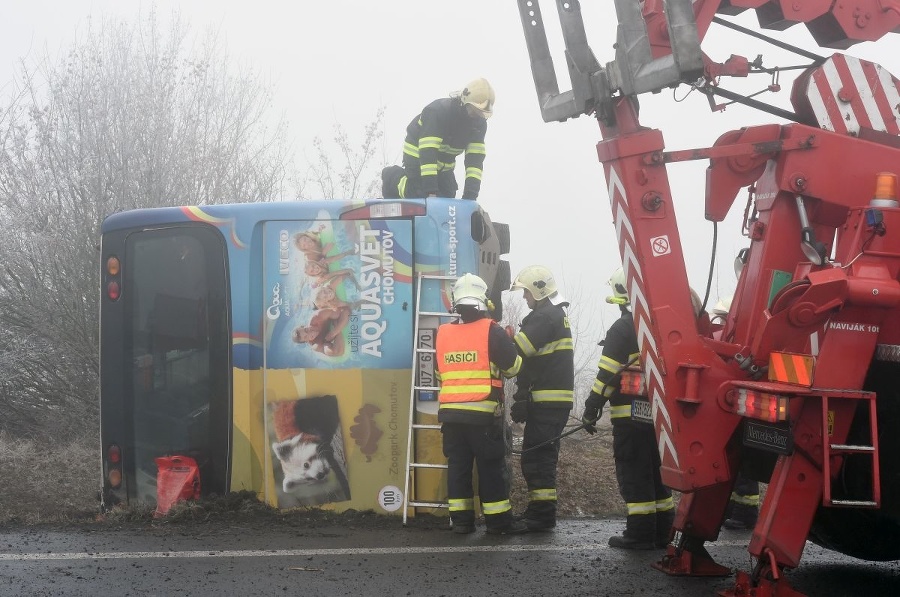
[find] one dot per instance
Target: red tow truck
(799, 386)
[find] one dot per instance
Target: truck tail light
(759, 405)
(632, 382)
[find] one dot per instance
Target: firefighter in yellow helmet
(446, 128)
(473, 354)
(544, 392)
(651, 510)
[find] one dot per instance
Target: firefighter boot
(504, 524)
(390, 180)
(742, 518)
(664, 522)
(639, 533)
(463, 522)
(540, 516)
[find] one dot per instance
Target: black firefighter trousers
(483, 445)
(539, 463)
(649, 502)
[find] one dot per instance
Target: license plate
(425, 364)
(641, 411)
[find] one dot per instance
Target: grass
(586, 477)
(47, 483)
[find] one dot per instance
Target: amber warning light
(886, 186)
(885, 190)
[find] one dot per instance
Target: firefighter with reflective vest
(545, 385)
(446, 128)
(472, 356)
(619, 381)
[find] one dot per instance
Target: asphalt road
(335, 560)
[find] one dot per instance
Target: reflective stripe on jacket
(437, 136)
(548, 370)
(466, 372)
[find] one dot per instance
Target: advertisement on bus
(337, 335)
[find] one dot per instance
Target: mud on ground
(47, 490)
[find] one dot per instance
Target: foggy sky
(340, 60)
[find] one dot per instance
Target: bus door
(337, 327)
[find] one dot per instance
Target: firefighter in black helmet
(651, 510)
(445, 128)
(544, 392)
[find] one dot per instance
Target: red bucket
(178, 479)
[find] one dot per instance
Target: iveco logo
(649, 352)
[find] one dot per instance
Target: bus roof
(280, 210)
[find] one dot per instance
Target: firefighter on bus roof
(445, 128)
(651, 510)
(471, 356)
(545, 387)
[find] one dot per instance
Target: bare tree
(131, 117)
(358, 175)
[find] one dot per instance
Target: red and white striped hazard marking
(846, 94)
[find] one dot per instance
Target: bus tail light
(113, 269)
(113, 266)
(114, 465)
(384, 209)
(758, 405)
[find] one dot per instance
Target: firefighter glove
(519, 411)
(593, 408)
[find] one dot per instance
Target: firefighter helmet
(619, 285)
(471, 290)
(539, 282)
(480, 95)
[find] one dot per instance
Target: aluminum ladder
(423, 353)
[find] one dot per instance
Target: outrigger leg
(765, 581)
(686, 556)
